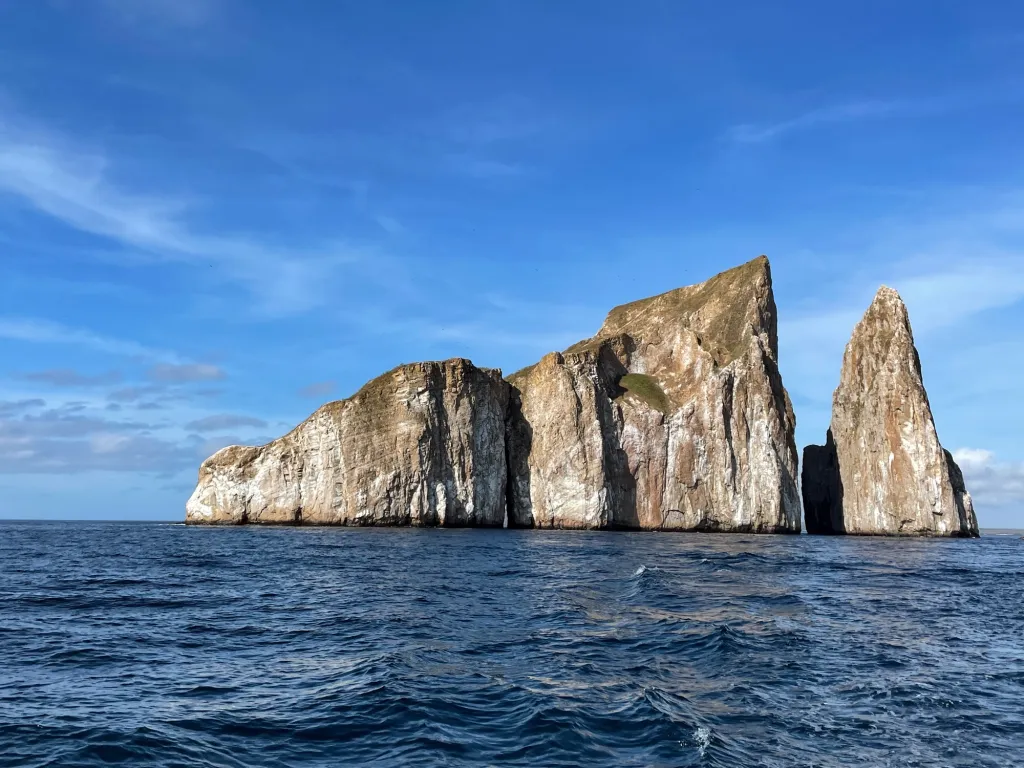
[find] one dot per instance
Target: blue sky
(217, 214)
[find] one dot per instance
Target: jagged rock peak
(724, 312)
(673, 416)
(883, 470)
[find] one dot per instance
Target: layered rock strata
(883, 470)
(421, 445)
(673, 416)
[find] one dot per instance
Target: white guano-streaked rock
(420, 445)
(883, 470)
(673, 417)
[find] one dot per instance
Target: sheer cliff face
(883, 471)
(420, 445)
(672, 417)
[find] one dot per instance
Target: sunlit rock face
(673, 416)
(883, 470)
(421, 445)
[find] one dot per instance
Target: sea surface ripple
(161, 645)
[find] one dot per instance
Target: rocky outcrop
(421, 445)
(882, 470)
(672, 417)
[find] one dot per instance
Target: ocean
(146, 644)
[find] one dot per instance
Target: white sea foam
(640, 571)
(703, 737)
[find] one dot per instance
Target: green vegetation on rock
(646, 389)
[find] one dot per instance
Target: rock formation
(672, 417)
(421, 445)
(882, 470)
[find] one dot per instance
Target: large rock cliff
(421, 445)
(672, 417)
(882, 470)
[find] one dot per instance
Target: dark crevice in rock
(822, 488)
(518, 443)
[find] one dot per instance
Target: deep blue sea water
(161, 645)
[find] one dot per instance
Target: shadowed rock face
(822, 489)
(672, 417)
(420, 445)
(883, 471)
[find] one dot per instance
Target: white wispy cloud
(78, 187)
(947, 297)
(940, 292)
(944, 295)
(859, 110)
(991, 482)
(46, 332)
(749, 133)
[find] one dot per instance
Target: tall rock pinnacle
(882, 470)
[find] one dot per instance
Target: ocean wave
(148, 646)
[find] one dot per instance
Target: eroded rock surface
(883, 470)
(421, 445)
(673, 416)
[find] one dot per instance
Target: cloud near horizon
(192, 243)
(989, 481)
(75, 437)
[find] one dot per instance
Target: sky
(216, 215)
